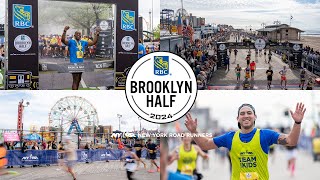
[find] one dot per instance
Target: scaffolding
(167, 19)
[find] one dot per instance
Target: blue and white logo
(128, 20)
(161, 65)
(161, 87)
(22, 16)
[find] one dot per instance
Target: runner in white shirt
(283, 74)
(71, 153)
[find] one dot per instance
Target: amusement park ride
(73, 114)
(178, 23)
(70, 115)
(21, 107)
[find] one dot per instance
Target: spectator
(141, 49)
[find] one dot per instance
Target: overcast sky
(144, 7)
(241, 13)
(269, 105)
(107, 103)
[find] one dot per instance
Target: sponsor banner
(127, 43)
(120, 81)
(221, 53)
(296, 50)
(260, 44)
(104, 47)
(37, 157)
(22, 16)
(127, 25)
(18, 79)
(11, 136)
(23, 41)
(128, 20)
(80, 67)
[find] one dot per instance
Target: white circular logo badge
(161, 87)
(222, 47)
(22, 43)
(127, 43)
(296, 47)
(260, 44)
(104, 25)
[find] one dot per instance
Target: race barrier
(45, 157)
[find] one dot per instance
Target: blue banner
(38, 157)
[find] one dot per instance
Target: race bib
(187, 170)
(249, 176)
(131, 167)
(79, 54)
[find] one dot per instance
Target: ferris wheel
(73, 113)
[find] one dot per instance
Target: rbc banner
(23, 44)
(38, 157)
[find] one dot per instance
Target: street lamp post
(277, 23)
(139, 118)
(263, 26)
(152, 22)
(119, 116)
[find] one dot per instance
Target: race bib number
(79, 54)
(187, 170)
(249, 176)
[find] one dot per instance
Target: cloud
(107, 103)
(241, 13)
(144, 7)
(269, 106)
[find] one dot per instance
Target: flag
(177, 127)
(179, 24)
(123, 122)
(291, 17)
(179, 20)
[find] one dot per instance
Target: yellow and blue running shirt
(248, 152)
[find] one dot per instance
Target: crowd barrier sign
(38, 157)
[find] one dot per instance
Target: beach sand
(313, 42)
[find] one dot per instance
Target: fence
(98, 139)
(45, 157)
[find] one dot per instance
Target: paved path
(92, 171)
(226, 80)
(305, 167)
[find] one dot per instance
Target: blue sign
(1, 40)
(128, 20)
(161, 65)
(37, 157)
(22, 16)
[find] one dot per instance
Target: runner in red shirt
(252, 68)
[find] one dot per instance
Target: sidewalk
(92, 171)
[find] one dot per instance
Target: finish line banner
(38, 157)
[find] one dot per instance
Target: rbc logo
(161, 65)
(22, 16)
(127, 20)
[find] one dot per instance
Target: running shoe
(13, 172)
(151, 171)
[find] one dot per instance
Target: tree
(156, 32)
(82, 16)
